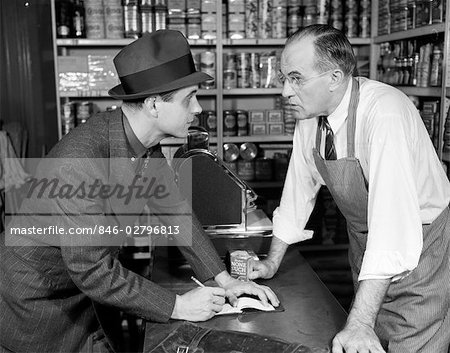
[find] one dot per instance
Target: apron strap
(351, 118)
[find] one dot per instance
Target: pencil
(200, 284)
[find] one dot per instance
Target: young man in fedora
(62, 298)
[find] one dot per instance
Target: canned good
(84, 111)
(294, 20)
(243, 70)
(279, 22)
(211, 122)
(229, 61)
(240, 264)
(248, 151)
(246, 169)
(251, 18)
(229, 123)
(160, 17)
(230, 152)
(263, 169)
(265, 19)
(114, 19)
(229, 78)
(132, 21)
(147, 20)
(68, 117)
(95, 22)
(208, 65)
(242, 122)
(254, 71)
(194, 28)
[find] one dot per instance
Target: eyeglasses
(295, 80)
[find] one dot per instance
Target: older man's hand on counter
(262, 269)
(235, 288)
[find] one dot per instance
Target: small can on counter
(242, 122)
(240, 264)
(229, 123)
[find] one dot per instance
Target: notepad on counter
(248, 304)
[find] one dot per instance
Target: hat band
(157, 76)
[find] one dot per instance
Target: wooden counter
(312, 315)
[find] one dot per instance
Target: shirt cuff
(386, 264)
(286, 231)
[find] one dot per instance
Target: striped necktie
(330, 149)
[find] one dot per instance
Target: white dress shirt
(407, 184)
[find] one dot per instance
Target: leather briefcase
(189, 338)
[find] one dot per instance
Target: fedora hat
(157, 62)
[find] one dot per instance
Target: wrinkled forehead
(298, 56)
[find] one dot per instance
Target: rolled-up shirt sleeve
(299, 191)
(395, 238)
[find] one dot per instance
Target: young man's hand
(199, 304)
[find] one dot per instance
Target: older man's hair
(333, 50)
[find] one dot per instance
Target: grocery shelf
(257, 138)
(251, 91)
(421, 91)
(411, 33)
(83, 42)
(104, 94)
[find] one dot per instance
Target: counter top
(312, 315)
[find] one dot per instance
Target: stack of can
(176, 19)
(265, 19)
(236, 16)
(323, 11)
(209, 21)
(337, 14)
(279, 19)
(243, 70)
(229, 70)
(194, 19)
(113, 19)
(147, 16)
(74, 114)
(255, 77)
(131, 19)
(351, 18)
(251, 18)
(364, 19)
(294, 16)
(208, 66)
(95, 23)
(210, 122)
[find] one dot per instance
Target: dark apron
(415, 315)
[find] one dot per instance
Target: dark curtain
(27, 76)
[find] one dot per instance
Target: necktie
(330, 150)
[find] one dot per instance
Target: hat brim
(195, 78)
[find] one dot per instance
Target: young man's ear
(151, 106)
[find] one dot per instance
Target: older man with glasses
(367, 143)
